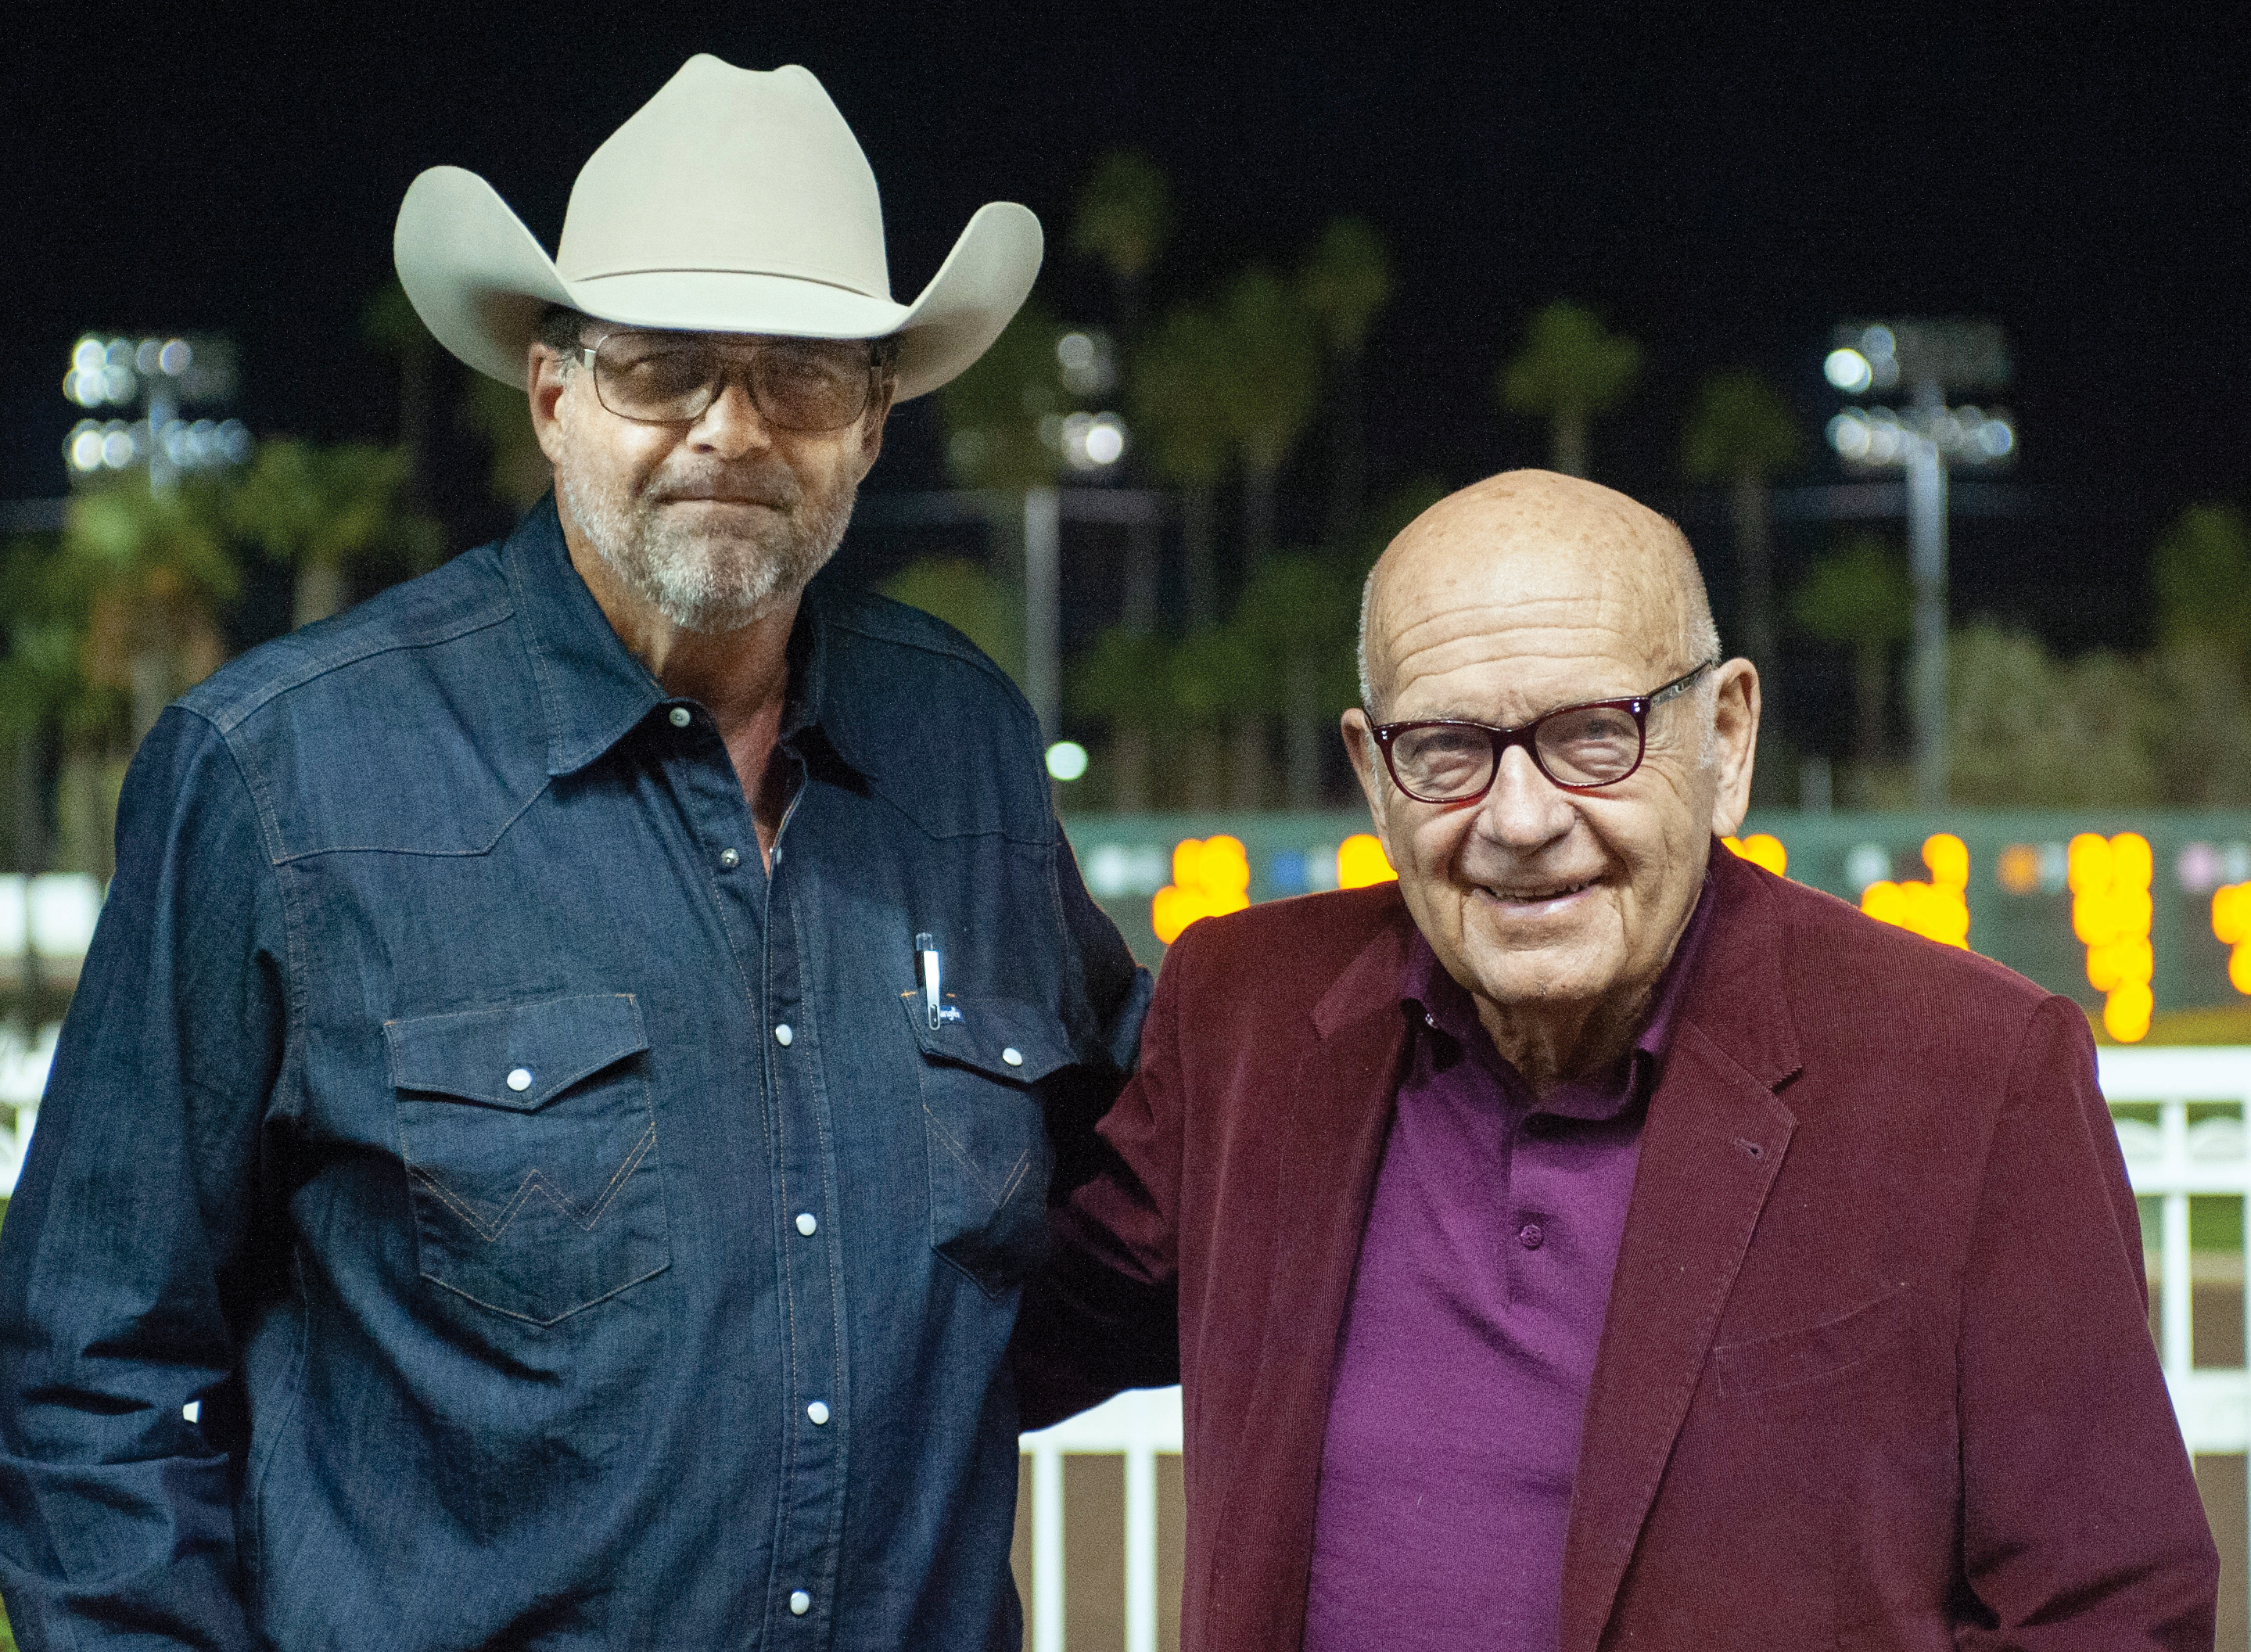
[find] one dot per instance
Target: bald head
(1537, 542)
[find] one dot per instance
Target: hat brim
(480, 280)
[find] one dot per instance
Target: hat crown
(734, 170)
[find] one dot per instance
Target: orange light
(2018, 869)
(2231, 922)
(1360, 862)
(2111, 913)
(1762, 849)
(1938, 910)
(1210, 876)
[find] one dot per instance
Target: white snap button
(520, 1080)
(1013, 1055)
(681, 717)
(799, 1602)
(817, 1411)
(784, 1035)
(729, 858)
(805, 1225)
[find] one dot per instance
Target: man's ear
(872, 422)
(544, 371)
(1734, 739)
(1368, 768)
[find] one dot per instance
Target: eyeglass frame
(1638, 706)
(882, 357)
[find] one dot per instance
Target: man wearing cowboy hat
(561, 1100)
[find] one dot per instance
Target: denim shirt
(567, 1235)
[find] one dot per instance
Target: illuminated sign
(2110, 913)
(1210, 876)
(1938, 910)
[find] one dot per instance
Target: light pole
(1924, 441)
(160, 375)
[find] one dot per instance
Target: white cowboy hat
(733, 201)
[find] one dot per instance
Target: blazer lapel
(1714, 1143)
(1328, 1135)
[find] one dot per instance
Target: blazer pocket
(985, 1131)
(1813, 1353)
(529, 1144)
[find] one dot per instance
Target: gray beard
(699, 581)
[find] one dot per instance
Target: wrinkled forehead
(1559, 605)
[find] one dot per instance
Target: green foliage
(335, 506)
(1345, 281)
(971, 600)
(1176, 395)
(1859, 595)
(1125, 676)
(1741, 426)
(1270, 383)
(1570, 363)
(7, 1635)
(1214, 673)
(520, 474)
(388, 320)
(2202, 574)
(1125, 214)
(992, 412)
(179, 542)
(2170, 729)
(1299, 607)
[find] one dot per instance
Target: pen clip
(928, 950)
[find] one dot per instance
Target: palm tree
(330, 512)
(1741, 432)
(1859, 597)
(1570, 369)
(390, 324)
(1124, 680)
(150, 571)
(1125, 213)
(1212, 674)
(1270, 387)
(1297, 617)
(1342, 285)
(1174, 388)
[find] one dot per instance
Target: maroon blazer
(1876, 1371)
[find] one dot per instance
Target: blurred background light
(1849, 371)
(1067, 759)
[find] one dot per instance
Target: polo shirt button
(520, 1080)
(729, 858)
(1013, 1055)
(784, 1036)
(799, 1602)
(807, 1224)
(817, 1411)
(681, 717)
(1529, 1236)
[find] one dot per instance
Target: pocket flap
(484, 1055)
(984, 1033)
(1812, 1352)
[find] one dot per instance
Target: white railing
(23, 1078)
(1139, 1425)
(2173, 1161)
(2170, 1160)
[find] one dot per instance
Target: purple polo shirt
(1461, 1380)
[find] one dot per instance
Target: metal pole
(1926, 512)
(1043, 607)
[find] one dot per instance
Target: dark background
(1724, 186)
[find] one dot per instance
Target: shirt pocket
(984, 1130)
(531, 1151)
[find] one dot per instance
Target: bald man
(1592, 1240)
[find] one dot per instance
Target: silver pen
(928, 949)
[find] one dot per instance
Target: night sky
(1722, 189)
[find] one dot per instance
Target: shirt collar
(1441, 1006)
(592, 689)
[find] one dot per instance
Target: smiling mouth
(1520, 899)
